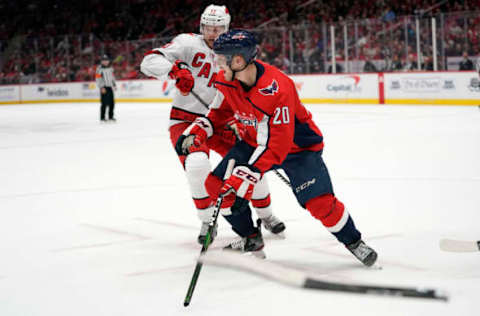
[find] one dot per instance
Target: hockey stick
(452, 245)
(199, 99)
(208, 238)
(297, 278)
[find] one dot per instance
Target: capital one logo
(345, 84)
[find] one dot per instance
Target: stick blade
(452, 245)
(254, 265)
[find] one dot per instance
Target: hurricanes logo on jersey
(271, 89)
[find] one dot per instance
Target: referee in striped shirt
(106, 81)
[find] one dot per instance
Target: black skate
(363, 252)
(203, 233)
(273, 224)
(252, 244)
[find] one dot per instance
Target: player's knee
(197, 166)
(327, 209)
(213, 184)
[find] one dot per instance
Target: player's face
(222, 63)
(210, 33)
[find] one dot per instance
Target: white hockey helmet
(215, 15)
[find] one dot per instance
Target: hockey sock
(333, 215)
(241, 221)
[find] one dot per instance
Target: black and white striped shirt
(478, 64)
(104, 77)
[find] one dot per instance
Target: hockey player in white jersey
(189, 59)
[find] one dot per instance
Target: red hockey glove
(195, 135)
(240, 183)
(183, 76)
(237, 128)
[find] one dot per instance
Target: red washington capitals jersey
(276, 122)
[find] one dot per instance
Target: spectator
(411, 64)
(338, 68)
(428, 64)
(369, 66)
(466, 63)
(396, 64)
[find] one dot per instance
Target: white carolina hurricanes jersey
(192, 49)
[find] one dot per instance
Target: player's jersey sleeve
(219, 111)
(275, 131)
(158, 62)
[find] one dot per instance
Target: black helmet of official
(236, 42)
(105, 57)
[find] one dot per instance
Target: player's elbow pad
(155, 65)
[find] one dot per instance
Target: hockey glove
(194, 136)
(237, 128)
(240, 183)
(183, 76)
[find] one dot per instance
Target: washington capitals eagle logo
(271, 89)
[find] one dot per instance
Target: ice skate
(363, 252)
(274, 225)
(252, 244)
(203, 233)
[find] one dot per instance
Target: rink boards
(416, 88)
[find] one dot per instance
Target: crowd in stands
(56, 41)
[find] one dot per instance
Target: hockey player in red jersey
(278, 132)
(189, 59)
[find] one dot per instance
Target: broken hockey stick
(453, 245)
(282, 178)
(296, 278)
(208, 238)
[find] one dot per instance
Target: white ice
(96, 218)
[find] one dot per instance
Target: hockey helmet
(215, 15)
(236, 42)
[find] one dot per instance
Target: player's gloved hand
(183, 76)
(194, 136)
(237, 128)
(240, 183)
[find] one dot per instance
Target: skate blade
(280, 235)
(375, 266)
(259, 254)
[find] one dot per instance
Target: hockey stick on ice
(297, 278)
(199, 99)
(208, 238)
(453, 245)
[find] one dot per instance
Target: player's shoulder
(190, 39)
(273, 82)
(222, 83)
(273, 74)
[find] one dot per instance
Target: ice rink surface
(97, 219)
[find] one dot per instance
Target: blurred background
(59, 41)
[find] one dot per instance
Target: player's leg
(313, 189)
(261, 195)
(197, 167)
(262, 204)
(237, 212)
